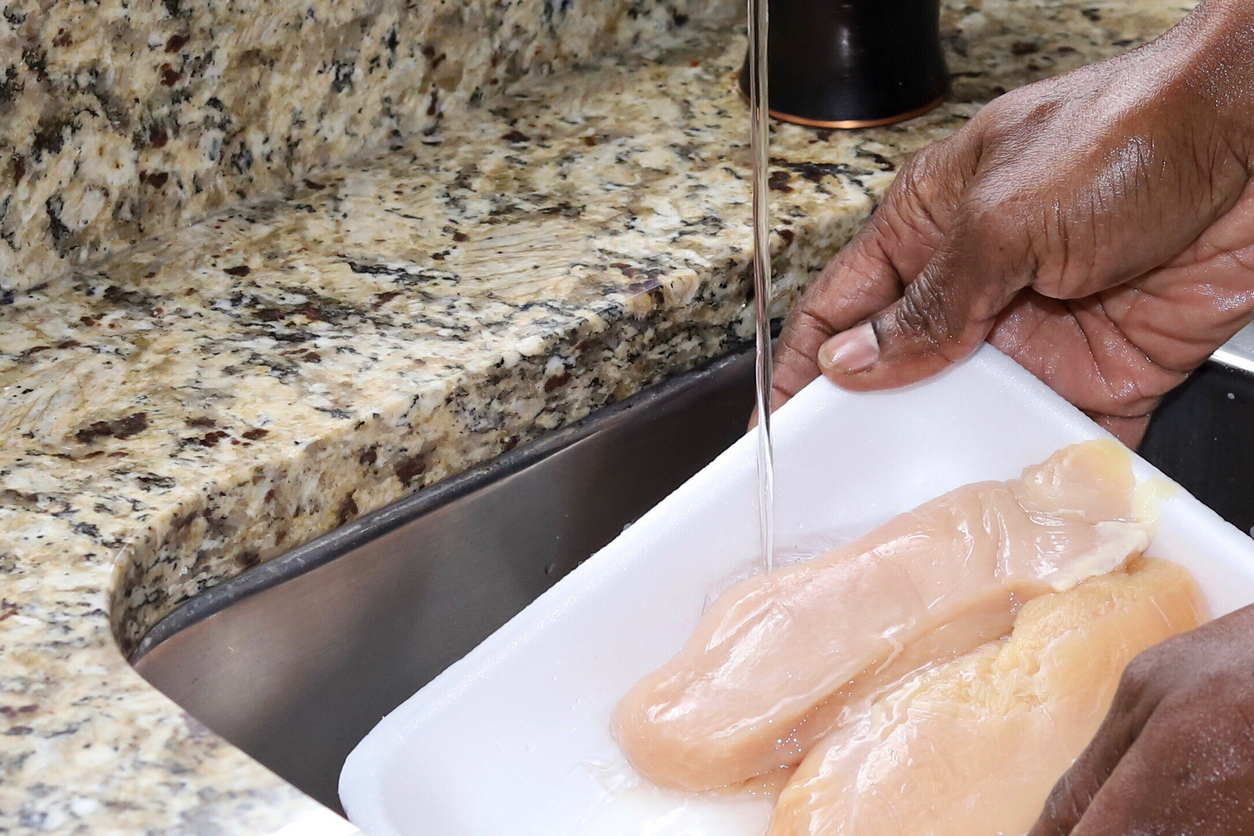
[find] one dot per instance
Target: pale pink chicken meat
(778, 662)
(973, 747)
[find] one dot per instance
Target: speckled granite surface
(125, 118)
(196, 405)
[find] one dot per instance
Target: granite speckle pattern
(198, 404)
(121, 119)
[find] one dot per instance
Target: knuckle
(814, 312)
(807, 323)
(914, 219)
(920, 169)
(922, 313)
(912, 190)
(935, 177)
(811, 305)
(1067, 801)
(1180, 709)
(1141, 672)
(1021, 111)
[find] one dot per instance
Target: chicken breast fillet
(779, 662)
(973, 747)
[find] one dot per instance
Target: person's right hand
(1098, 227)
(1175, 755)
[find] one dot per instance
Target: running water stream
(759, 143)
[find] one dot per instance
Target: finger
(1081, 349)
(867, 275)
(1129, 798)
(1131, 709)
(1188, 309)
(941, 317)
(1075, 791)
(1187, 773)
(857, 282)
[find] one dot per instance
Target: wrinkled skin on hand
(1098, 227)
(1175, 754)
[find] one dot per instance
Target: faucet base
(854, 124)
(853, 63)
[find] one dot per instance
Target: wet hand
(1175, 754)
(1098, 227)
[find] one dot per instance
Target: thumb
(900, 239)
(1135, 702)
(1073, 793)
(942, 316)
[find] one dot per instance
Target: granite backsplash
(121, 120)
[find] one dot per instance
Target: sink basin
(297, 659)
(1203, 437)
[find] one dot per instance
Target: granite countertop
(204, 401)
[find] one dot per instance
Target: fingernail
(854, 350)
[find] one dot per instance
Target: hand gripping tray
(508, 740)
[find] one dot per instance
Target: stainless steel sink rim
(1238, 352)
(328, 547)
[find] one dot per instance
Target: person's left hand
(1175, 755)
(1097, 227)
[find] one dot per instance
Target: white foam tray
(500, 742)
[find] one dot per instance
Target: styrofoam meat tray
(514, 738)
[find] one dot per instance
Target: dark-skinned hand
(1175, 755)
(1098, 227)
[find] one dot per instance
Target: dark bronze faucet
(853, 63)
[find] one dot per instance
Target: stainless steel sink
(296, 660)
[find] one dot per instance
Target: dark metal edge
(328, 547)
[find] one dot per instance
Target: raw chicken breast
(777, 662)
(973, 747)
